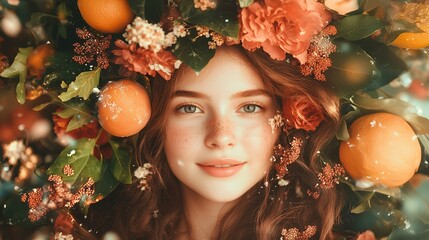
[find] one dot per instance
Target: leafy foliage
(79, 112)
(52, 23)
(222, 19)
(121, 161)
(138, 7)
(357, 27)
(352, 68)
(80, 158)
(153, 10)
(389, 65)
(193, 53)
(19, 69)
(245, 3)
(83, 85)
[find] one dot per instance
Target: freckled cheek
(180, 144)
(261, 139)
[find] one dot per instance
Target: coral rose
(281, 27)
(145, 61)
(301, 113)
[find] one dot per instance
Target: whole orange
(123, 108)
(382, 148)
(37, 59)
(412, 40)
(418, 14)
(107, 16)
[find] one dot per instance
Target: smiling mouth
(221, 168)
(222, 165)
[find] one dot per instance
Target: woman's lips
(221, 168)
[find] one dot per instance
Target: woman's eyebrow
(251, 93)
(191, 94)
(241, 94)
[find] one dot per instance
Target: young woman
(209, 144)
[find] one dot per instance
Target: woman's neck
(200, 216)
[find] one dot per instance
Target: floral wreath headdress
(89, 60)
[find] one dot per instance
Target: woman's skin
(218, 140)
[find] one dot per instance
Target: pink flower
(144, 61)
(282, 26)
(302, 113)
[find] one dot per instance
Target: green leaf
(343, 133)
(39, 18)
(222, 19)
(15, 212)
(64, 85)
(138, 7)
(20, 88)
(121, 161)
(107, 181)
(61, 69)
(368, 5)
(245, 3)
(195, 54)
(79, 112)
(364, 205)
(391, 32)
(78, 157)
(62, 25)
(92, 169)
(102, 188)
(52, 24)
(153, 10)
(389, 65)
(19, 68)
(41, 106)
(357, 27)
(82, 86)
(393, 191)
(352, 68)
(406, 110)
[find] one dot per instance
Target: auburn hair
(264, 210)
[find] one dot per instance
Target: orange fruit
(382, 149)
(37, 59)
(123, 108)
(412, 40)
(107, 16)
(418, 14)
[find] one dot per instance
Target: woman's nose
(220, 133)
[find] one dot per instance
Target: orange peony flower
(281, 27)
(145, 61)
(301, 113)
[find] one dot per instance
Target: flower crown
(85, 50)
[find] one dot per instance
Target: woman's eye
(189, 109)
(250, 108)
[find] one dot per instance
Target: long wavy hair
(262, 212)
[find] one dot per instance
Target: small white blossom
(179, 30)
(60, 236)
(283, 182)
(147, 35)
(143, 172)
(14, 151)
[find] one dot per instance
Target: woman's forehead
(229, 68)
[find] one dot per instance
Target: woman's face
(218, 140)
